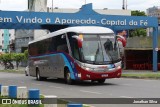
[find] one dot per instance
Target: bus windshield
(100, 49)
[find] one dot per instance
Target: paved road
(113, 88)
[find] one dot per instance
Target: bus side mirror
(79, 41)
(122, 40)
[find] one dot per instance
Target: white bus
(76, 53)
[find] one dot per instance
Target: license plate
(104, 75)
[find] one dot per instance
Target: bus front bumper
(92, 75)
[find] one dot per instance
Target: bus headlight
(84, 67)
(119, 67)
(79, 75)
(87, 68)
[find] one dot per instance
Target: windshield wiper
(108, 62)
(110, 56)
(91, 62)
(97, 51)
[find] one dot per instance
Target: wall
(22, 39)
(141, 42)
(139, 53)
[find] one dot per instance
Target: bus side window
(52, 45)
(61, 44)
(32, 49)
(75, 49)
(63, 48)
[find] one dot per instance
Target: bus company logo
(6, 101)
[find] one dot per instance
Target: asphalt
(112, 88)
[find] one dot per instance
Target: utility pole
(52, 5)
(126, 4)
(123, 2)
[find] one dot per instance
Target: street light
(126, 5)
(52, 5)
(123, 3)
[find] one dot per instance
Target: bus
(76, 53)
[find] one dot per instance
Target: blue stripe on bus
(66, 60)
(68, 65)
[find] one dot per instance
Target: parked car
(27, 71)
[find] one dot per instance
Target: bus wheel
(101, 81)
(68, 77)
(38, 77)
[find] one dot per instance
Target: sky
(21, 5)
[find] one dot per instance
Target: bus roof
(77, 29)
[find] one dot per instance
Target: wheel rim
(68, 77)
(38, 75)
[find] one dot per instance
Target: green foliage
(141, 31)
(138, 32)
(7, 60)
(9, 57)
(143, 75)
(18, 57)
(138, 13)
(26, 55)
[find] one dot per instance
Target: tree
(138, 13)
(140, 31)
(18, 57)
(26, 55)
(7, 59)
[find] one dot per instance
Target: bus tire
(101, 81)
(68, 79)
(38, 77)
(92, 81)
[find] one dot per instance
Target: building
(154, 12)
(7, 38)
(24, 36)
